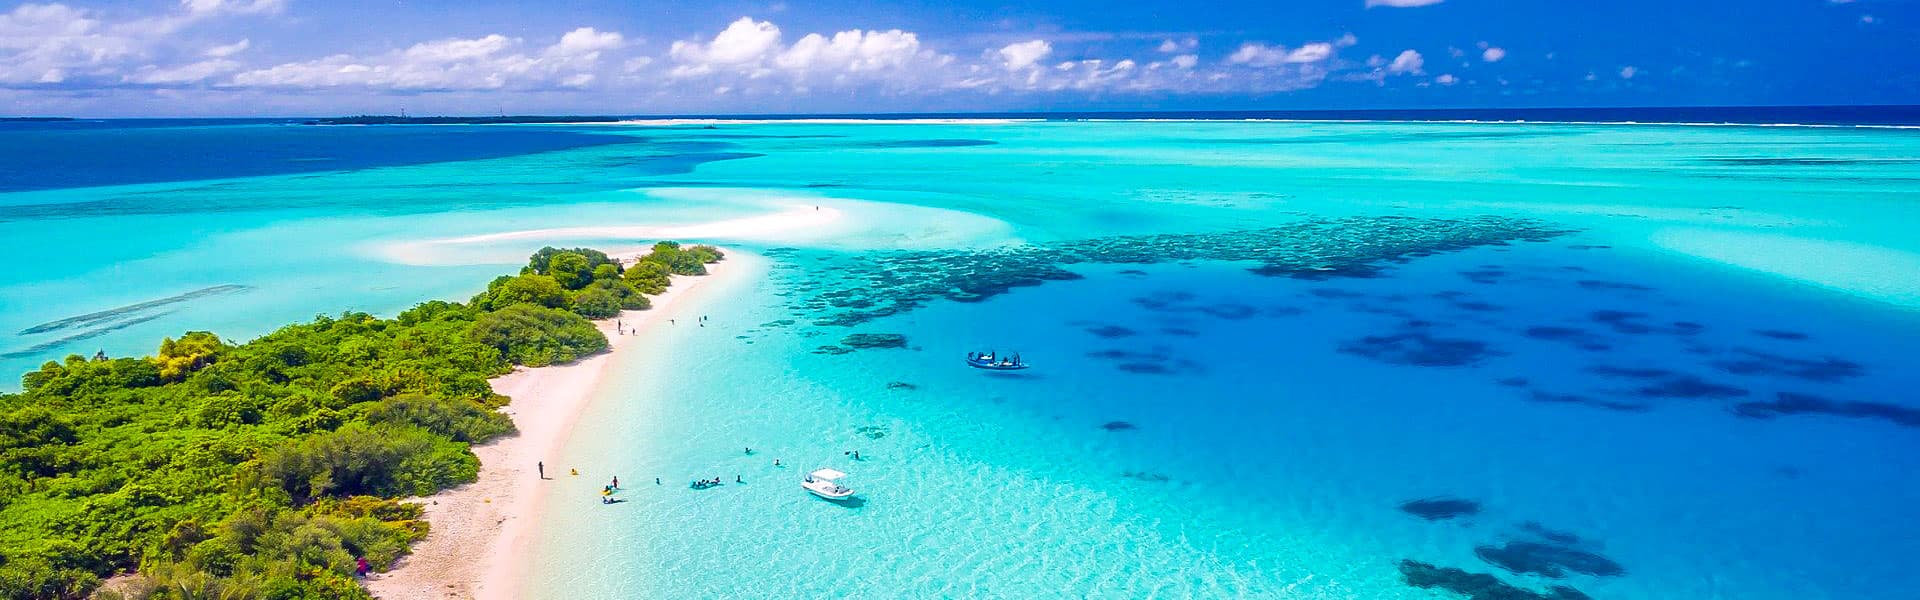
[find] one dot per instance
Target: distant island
(34, 119)
(499, 120)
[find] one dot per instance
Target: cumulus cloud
(1400, 3)
(1408, 62)
(1446, 79)
(1627, 72)
(1173, 46)
(751, 56)
(1021, 55)
(1493, 54)
(489, 62)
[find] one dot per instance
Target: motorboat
(825, 483)
(992, 362)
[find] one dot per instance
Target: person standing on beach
(541, 467)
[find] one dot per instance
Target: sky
(99, 58)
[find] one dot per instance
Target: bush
(536, 337)
(538, 290)
(460, 420)
(362, 459)
(649, 276)
(596, 302)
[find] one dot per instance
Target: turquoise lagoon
(1636, 361)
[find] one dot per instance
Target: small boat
(825, 483)
(987, 360)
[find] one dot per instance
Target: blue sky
(323, 57)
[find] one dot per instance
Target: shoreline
(480, 533)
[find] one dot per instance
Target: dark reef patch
(1579, 338)
(901, 385)
(1596, 284)
(1826, 369)
(1514, 382)
(1485, 275)
(1689, 387)
(1552, 398)
(1111, 331)
(1230, 310)
(872, 432)
(1440, 508)
(1548, 559)
(1780, 334)
(866, 341)
(1791, 403)
(1118, 426)
(1158, 360)
(1147, 476)
(1180, 332)
(1478, 586)
(832, 350)
(1418, 348)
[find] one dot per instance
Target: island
(280, 467)
(495, 120)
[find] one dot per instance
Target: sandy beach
(480, 531)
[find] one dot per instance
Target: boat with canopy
(825, 483)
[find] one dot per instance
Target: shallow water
(1672, 366)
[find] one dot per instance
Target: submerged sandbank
(480, 531)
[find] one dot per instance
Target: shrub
(535, 336)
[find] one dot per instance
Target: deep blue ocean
(1272, 359)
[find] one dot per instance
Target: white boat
(825, 483)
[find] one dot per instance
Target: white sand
(795, 217)
(482, 531)
(1859, 269)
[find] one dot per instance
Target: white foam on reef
(1875, 272)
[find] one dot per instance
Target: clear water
(1267, 457)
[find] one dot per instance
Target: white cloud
(745, 41)
(1024, 54)
(43, 44)
(1628, 72)
(1446, 79)
(227, 50)
(1400, 3)
(1408, 62)
(1185, 61)
(184, 74)
(1172, 46)
(488, 62)
(1493, 54)
(1254, 54)
(232, 7)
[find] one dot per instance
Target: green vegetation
(265, 469)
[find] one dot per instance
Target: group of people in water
(715, 482)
